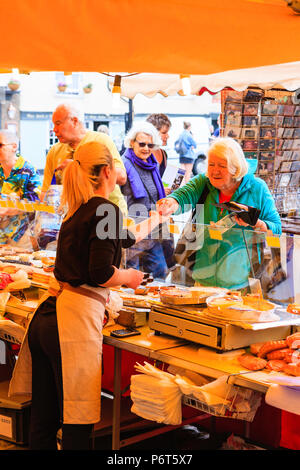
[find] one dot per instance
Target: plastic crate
(14, 425)
(14, 416)
(228, 411)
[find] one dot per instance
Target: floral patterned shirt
(26, 183)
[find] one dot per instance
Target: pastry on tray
(217, 304)
(134, 300)
(257, 302)
(188, 296)
(232, 307)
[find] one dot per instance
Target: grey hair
(11, 137)
(103, 128)
(146, 128)
(71, 111)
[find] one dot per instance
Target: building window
(73, 82)
(52, 137)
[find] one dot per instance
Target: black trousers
(47, 388)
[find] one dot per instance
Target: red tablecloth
(290, 430)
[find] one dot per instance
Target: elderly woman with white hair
(228, 178)
(142, 190)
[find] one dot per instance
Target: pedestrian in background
(187, 145)
(162, 124)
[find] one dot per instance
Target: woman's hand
(167, 206)
(156, 216)
(134, 278)
(142, 230)
(259, 226)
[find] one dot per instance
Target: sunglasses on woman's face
(143, 144)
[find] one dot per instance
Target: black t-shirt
(90, 244)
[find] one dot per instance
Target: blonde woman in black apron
(61, 355)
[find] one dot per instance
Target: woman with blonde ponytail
(65, 335)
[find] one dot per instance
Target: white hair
(71, 111)
(146, 128)
(232, 152)
(103, 128)
(11, 137)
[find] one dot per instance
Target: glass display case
(236, 258)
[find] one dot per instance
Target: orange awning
(152, 36)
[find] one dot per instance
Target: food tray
(225, 410)
(167, 299)
(190, 296)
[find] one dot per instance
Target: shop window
(52, 137)
(73, 83)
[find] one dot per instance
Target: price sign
(174, 229)
(215, 234)
(273, 241)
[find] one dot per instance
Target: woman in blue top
(225, 263)
(188, 144)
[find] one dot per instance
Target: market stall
(193, 328)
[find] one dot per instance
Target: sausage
(277, 354)
(252, 362)
(255, 347)
(271, 346)
(292, 369)
(292, 355)
(276, 364)
(293, 308)
(293, 341)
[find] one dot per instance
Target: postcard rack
(266, 123)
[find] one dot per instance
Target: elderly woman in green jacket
(225, 263)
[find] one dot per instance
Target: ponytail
(81, 176)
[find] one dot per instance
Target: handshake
(166, 207)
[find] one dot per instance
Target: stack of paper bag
(156, 396)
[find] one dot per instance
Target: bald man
(71, 133)
(18, 177)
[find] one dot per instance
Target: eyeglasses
(143, 144)
(4, 145)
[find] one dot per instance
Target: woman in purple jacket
(142, 190)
